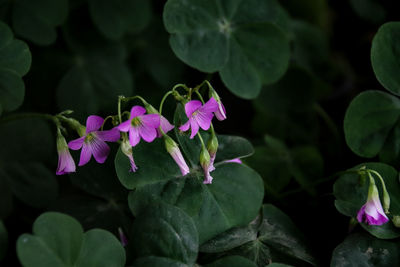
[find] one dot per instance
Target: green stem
(200, 97)
(181, 85)
(163, 100)
(201, 140)
(104, 122)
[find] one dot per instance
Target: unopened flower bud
(172, 148)
(205, 164)
(126, 148)
(212, 148)
(66, 163)
(220, 113)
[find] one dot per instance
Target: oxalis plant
(123, 125)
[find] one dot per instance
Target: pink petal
(165, 126)
(151, 120)
(66, 163)
(191, 107)
(137, 111)
(100, 150)
(210, 106)
(125, 126)
(133, 165)
(147, 133)
(236, 160)
(77, 143)
(185, 126)
(93, 123)
(109, 135)
(86, 154)
(220, 113)
(195, 128)
(203, 119)
(134, 137)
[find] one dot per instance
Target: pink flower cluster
(140, 126)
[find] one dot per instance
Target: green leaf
(37, 20)
(3, 240)
(368, 121)
(165, 231)
(96, 79)
(351, 194)
(232, 199)
(158, 262)
(58, 240)
(32, 183)
(15, 61)
(272, 238)
(116, 18)
(6, 196)
(370, 10)
(364, 250)
(232, 261)
(385, 56)
(390, 152)
(214, 36)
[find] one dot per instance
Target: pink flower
(140, 125)
(66, 163)
(126, 148)
(93, 143)
(220, 113)
(236, 160)
(199, 115)
(175, 152)
(165, 126)
(372, 212)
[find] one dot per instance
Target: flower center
(136, 122)
(89, 137)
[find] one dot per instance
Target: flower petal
(220, 113)
(210, 106)
(77, 143)
(194, 127)
(109, 135)
(147, 133)
(137, 111)
(191, 107)
(203, 119)
(100, 150)
(165, 126)
(86, 154)
(134, 137)
(185, 126)
(93, 123)
(151, 120)
(66, 163)
(124, 126)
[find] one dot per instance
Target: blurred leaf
(165, 231)
(58, 240)
(3, 241)
(158, 262)
(232, 261)
(6, 196)
(15, 61)
(385, 56)
(98, 77)
(37, 20)
(390, 152)
(275, 238)
(370, 10)
(316, 12)
(116, 18)
(368, 121)
(364, 250)
(32, 183)
(351, 195)
(212, 36)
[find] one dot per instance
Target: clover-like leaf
(116, 18)
(271, 237)
(385, 56)
(246, 41)
(58, 240)
(37, 20)
(368, 121)
(232, 261)
(165, 231)
(364, 250)
(15, 61)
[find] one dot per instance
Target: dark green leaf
(15, 61)
(165, 231)
(351, 193)
(232, 261)
(158, 262)
(368, 121)
(385, 56)
(37, 20)
(370, 10)
(249, 47)
(116, 18)
(366, 251)
(58, 240)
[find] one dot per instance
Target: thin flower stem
(163, 100)
(200, 97)
(181, 85)
(201, 140)
(104, 122)
(119, 108)
(126, 99)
